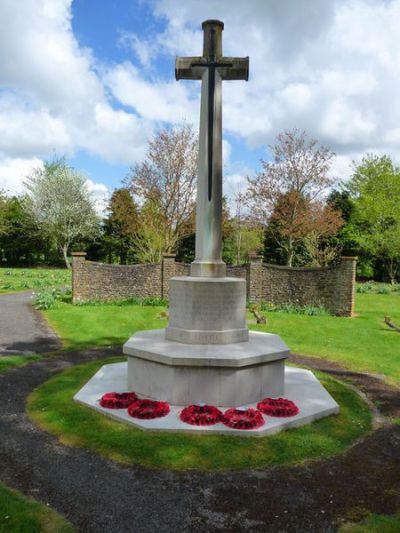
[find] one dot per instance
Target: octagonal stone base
(301, 386)
(225, 375)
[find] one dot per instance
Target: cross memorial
(211, 68)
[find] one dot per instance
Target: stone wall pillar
(346, 286)
(78, 266)
(168, 271)
(255, 278)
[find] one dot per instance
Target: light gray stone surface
(184, 385)
(227, 374)
(153, 346)
(207, 310)
(301, 386)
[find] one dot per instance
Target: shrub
(47, 298)
(310, 310)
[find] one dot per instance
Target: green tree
(121, 225)
(62, 204)
(20, 237)
(375, 189)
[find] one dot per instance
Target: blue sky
(94, 79)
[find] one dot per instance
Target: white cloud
(101, 195)
(52, 99)
(14, 171)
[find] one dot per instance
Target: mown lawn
(52, 408)
(25, 515)
(23, 279)
(85, 326)
(362, 343)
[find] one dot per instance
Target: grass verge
(25, 515)
(374, 524)
(10, 361)
(51, 407)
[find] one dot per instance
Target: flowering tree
(284, 196)
(62, 204)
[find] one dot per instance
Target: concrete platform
(301, 386)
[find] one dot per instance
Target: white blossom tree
(62, 204)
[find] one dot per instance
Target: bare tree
(167, 179)
(285, 190)
(62, 204)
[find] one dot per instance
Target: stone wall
(332, 287)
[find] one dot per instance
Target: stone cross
(211, 68)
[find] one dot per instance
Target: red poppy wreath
(147, 409)
(201, 415)
(238, 419)
(117, 400)
(278, 407)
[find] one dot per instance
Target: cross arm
(237, 68)
(184, 69)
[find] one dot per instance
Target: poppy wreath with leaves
(117, 400)
(280, 407)
(238, 419)
(201, 415)
(147, 409)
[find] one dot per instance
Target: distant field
(24, 279)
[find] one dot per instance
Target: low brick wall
(332, 287)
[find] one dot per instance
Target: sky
(94, 80)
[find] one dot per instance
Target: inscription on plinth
(207, 310)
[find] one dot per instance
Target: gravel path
(22, 329)
(98, 495)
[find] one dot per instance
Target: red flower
(238, 419)
(201, 415)
(147, 409)
(278, 407)
(117, 400)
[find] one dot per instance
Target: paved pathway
(98, 495)
(22, 329)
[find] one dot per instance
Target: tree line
(292, 211)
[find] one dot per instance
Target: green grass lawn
(23, 279)
(52, 408)
(25, 515)
(362, 343)
(9, 361)
(85, 326)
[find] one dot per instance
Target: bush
(363, 288)
(47, 298)
(310, 310)
(148, 301)
(383, 289)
